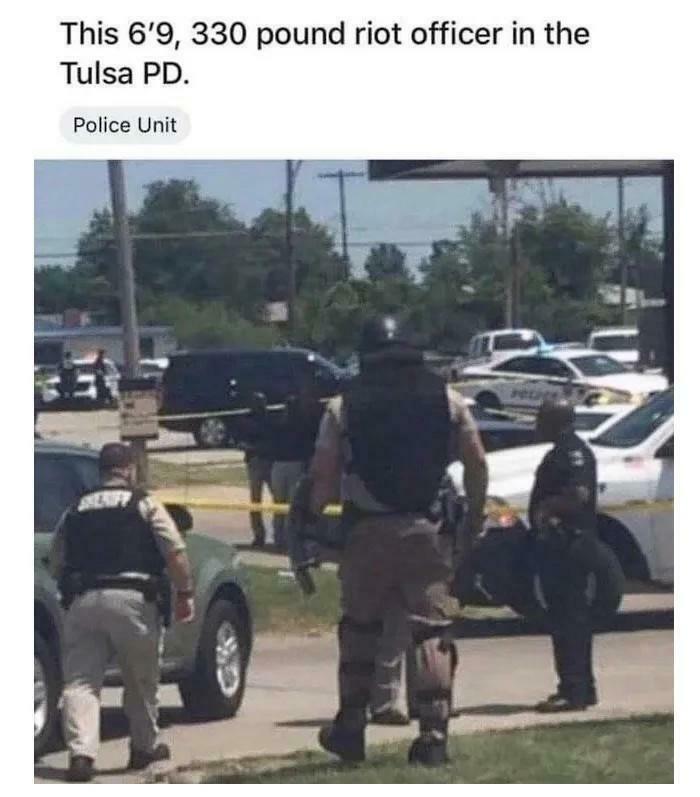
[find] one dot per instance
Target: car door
(662, 512)
(533, 388)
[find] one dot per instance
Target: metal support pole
(668, 277)
(343, 223)
(289, 246)
(507, 255)
(622, 255)
(340, 176)
(127, 293)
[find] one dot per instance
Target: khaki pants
(285, 477)
(100, 625)
(395, 644)
(259, 475)
(388, 563)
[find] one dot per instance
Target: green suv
(207, 658)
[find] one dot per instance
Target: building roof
(46, 330)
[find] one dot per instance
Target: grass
(172, 474)
(638, 750)
(280, 606)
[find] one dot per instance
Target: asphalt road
(97, 427)
(292, 690)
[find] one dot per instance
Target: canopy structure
(494, 169)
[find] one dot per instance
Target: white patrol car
(634, 455)
(500, 343)
(580, 375)
(621, 343)
(86, 389)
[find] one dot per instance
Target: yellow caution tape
(335, 510)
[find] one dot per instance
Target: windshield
(639, 424)
(616, 342)
(598, 365)
(518, 340)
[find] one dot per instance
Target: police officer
(109, 555)
(562, 512)
(68, 377)
(385, 443)
(99, 367)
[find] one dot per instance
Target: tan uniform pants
(396, 641)
(101, 625)
(391, 562)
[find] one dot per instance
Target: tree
(317, 264)
(386, 261)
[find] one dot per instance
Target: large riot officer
(109, 554)
(384, 446)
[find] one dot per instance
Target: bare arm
(170, 543)
(179, 571)
(326, 465)
(475, 477)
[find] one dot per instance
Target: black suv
(219, 380)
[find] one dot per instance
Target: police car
(634, 454)
(86, 386)
(523, 382)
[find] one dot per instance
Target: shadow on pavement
(494, 710)
(652, 620)
(307, 723)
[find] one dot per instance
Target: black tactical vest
(106, 535)
(398, 427)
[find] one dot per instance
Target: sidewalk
(292, 691)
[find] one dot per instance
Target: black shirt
(570, 463)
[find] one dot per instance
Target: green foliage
(205, 324)
(386, 261)
(638, 750)
(201, 269)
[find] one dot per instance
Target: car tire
(47, 691)
(489, 401)
(211, 433)
(606, 587)
(216, 687)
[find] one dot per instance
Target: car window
(629, 342)
(587, 421)
(483, 346)
(56, 485)
(541, 366)
(518, 365)
(598, 365)
(87, 472)
(514, 340)
(638, 424)
(550, 366)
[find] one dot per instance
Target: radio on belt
(138, 409)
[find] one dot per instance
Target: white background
(631, 93)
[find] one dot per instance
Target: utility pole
(340, 176)
(292, 169)
(621, 247)
(127, 293)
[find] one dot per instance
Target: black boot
(429, 751)
(80, 770)
(347, 743)
(558, 704)
(138, 759)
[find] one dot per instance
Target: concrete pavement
(292, 690)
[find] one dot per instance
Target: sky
(410, 214)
